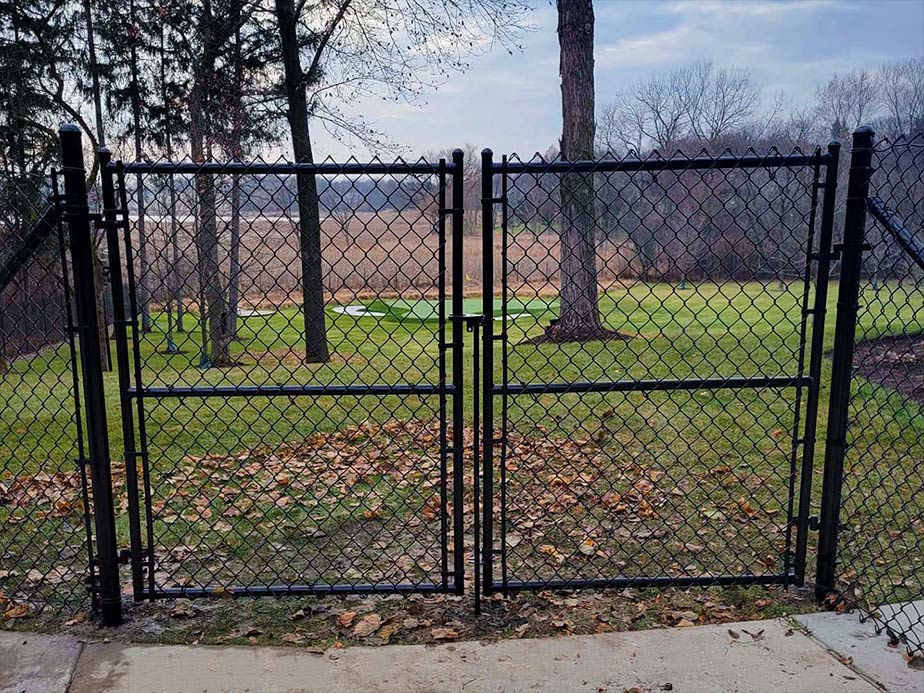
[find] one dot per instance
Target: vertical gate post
(81, 244)
(819, 310)
(841, 370)
(120, 323)
(458, 373)
(487, 335)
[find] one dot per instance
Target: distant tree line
(215, 80)
(732, 223)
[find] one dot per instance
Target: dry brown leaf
(16, 611)
(444, 634)
(367, 626)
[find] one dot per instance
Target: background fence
(44, 560)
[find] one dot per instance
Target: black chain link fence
(291, 396)
(881, 541)
(43, 493)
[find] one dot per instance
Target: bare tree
(344, 210)
(621, 127)
(845, 102)
(354, 48)
(579, 317)
(716, 100)
(901, 92)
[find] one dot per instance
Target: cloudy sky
(511, 102)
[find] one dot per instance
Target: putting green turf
(427, 310)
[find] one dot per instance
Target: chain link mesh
(661, 439)
(881, 540)
(268, 465)
(43, 532)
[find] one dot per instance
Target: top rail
(283, 167)
(29, 245)
(896, 226)
(657, 165)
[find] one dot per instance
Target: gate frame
(801, 520)
(104, 570)
(141, 552)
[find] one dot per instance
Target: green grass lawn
(304, 489)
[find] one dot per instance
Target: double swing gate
(628, 397)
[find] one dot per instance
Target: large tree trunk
(579, 318)
(144, 297)
(213, 308)
(308, 213)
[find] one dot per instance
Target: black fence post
(487, 335)
(841, 370)
(81, 245)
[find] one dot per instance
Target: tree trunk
(234, 279)
(176, 277)
(212, 295)
(103, 324)
(309, 216)
(144, 297)
(579, 318)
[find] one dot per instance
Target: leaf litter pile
(362, 505)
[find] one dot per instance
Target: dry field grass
(387, 253)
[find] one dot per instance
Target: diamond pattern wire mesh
(254, 481)
(881, 539)
(679, 456)
(43, 535)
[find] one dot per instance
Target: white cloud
(512, 103)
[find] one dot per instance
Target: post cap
(68, 127)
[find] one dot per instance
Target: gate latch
(470, 320)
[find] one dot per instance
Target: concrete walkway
(754, 656)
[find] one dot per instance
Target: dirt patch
(893, 362)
